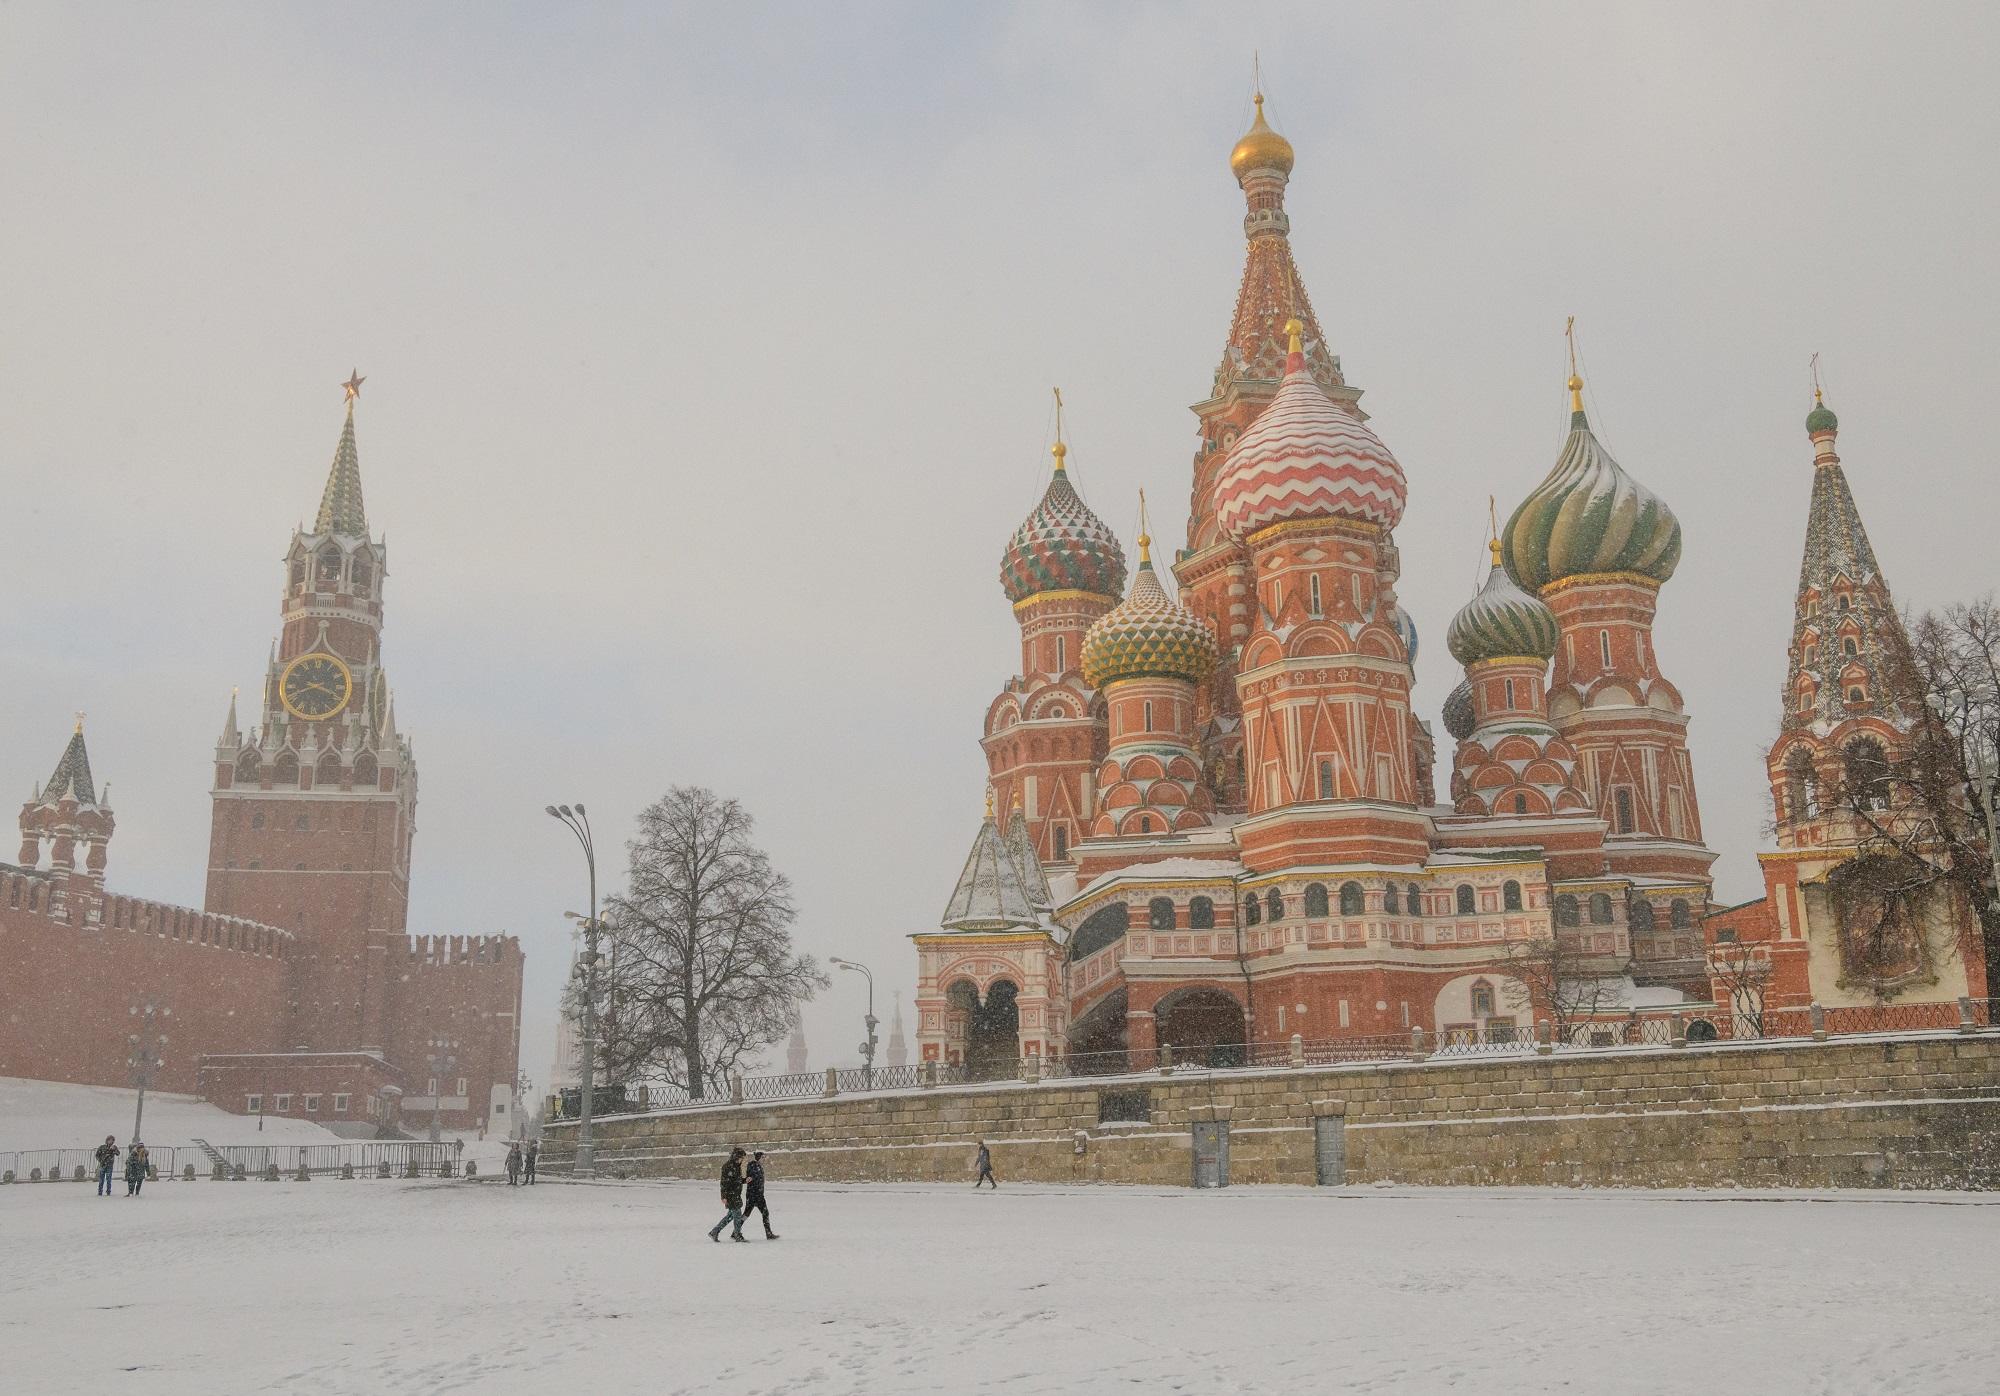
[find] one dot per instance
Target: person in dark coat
(528, 1161)
(732, 1198)
(514, 1164)
(136, 1164)
(107, 1160)
(985, 1162)
(756, 1202)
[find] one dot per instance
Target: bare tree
(1554, 974)
(702, 971)
(1918, 813)
(1743, 970)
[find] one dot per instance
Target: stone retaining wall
(1909, 1112)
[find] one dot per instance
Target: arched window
(249, 768)
(1099, 929)
(1621, 803)
(1326, 780)
(1201, 914)
(1600, 908)
(1850, 648)
(1868, 773)
(1482, 999)
(1274, 905)
(1510, 895)
(1798, 785)
(328, 567)
(1160, 913)
(1811, 657)
(365, 770)
(1145, 824)
(1857, 695)
(328, 771)
(1639, 912)
(1314, 584)
(1149, 714)
(1510, 692)
(1392, 901)
(1467, 903)
(1679, 914)
(298, 573)
(1062, 843)
(1416, 900)
(1253, 910)
(1316, 900)
(285, 770)
(1566, 910)
(1604, 646)
(1520, 804)
(1353, 901)
(1846, 602)
(363, 573)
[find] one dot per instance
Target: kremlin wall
(295, 989)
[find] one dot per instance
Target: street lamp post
(443, 1062)
(867, 1047)
(145, 1058)
(578, 823)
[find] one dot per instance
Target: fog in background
(709, 357)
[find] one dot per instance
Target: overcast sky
(709, 358)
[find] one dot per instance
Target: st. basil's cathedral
(1212, 819)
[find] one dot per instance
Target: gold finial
(1145, 538)
(1575, 382)
(79, 722)
(989, 802)
(1058, 450)
(353, 384)
(1017, 801)
(1261, 148)
(1819, 398)
(1295, 331)
(1493, 525)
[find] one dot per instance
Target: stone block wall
(1909, 1112)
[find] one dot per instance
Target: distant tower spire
(795, 1048)
(899, 1047)
(340, 507)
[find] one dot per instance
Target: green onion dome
(1821, 418)
(1501, 621)
(1589, 517)
(1459, 718)
(1148, 635)
(1062, 546)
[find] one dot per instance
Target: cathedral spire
(340, 508)
(1272, 291)
(71, 778)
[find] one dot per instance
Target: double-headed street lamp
(144, 1057)
(578, 823)
(868, 1047)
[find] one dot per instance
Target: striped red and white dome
(1307, 457)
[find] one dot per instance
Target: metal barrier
(405, 1158)
(60, 1165)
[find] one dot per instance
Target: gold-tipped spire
(1575, 381)
(1819, 396)
(1493, 530)
(1145, 538)
(1059, 451)
(79, 722)
(989, 802)
(353, 384)
(1295, 334)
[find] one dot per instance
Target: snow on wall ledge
(1912, 1112)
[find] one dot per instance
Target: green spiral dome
(1589, 517)
(1502, 620)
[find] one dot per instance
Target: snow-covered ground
(391, 1287)
(52, 1115)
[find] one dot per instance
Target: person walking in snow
(528, 1161)
(135, 1169)
(985, 1165)
(732, 1198)
(107, 1159)
(755, 1202)
(514, 1165)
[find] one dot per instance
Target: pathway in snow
(392, 1287)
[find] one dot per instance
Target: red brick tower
(1214, 569)
(1148, 656)
(314, 809)
(1045, 731)
(1596, 546)
(66, 813)
(1324, 679)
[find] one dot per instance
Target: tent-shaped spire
(340, 508)
(1022, 845)
(992, 893)
(71, 778)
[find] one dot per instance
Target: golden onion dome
(1147, 635)
(1261, 148)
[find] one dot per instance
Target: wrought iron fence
(404, 1158)
(62, 1165)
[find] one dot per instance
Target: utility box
(1211, 1153)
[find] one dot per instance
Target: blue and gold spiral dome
(1148, 635)
(1589, 518)
(1502, 621)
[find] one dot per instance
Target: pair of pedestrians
(736, 1177)
(521, 1163)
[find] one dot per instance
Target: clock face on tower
(315, 686)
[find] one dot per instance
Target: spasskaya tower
(314, 807)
